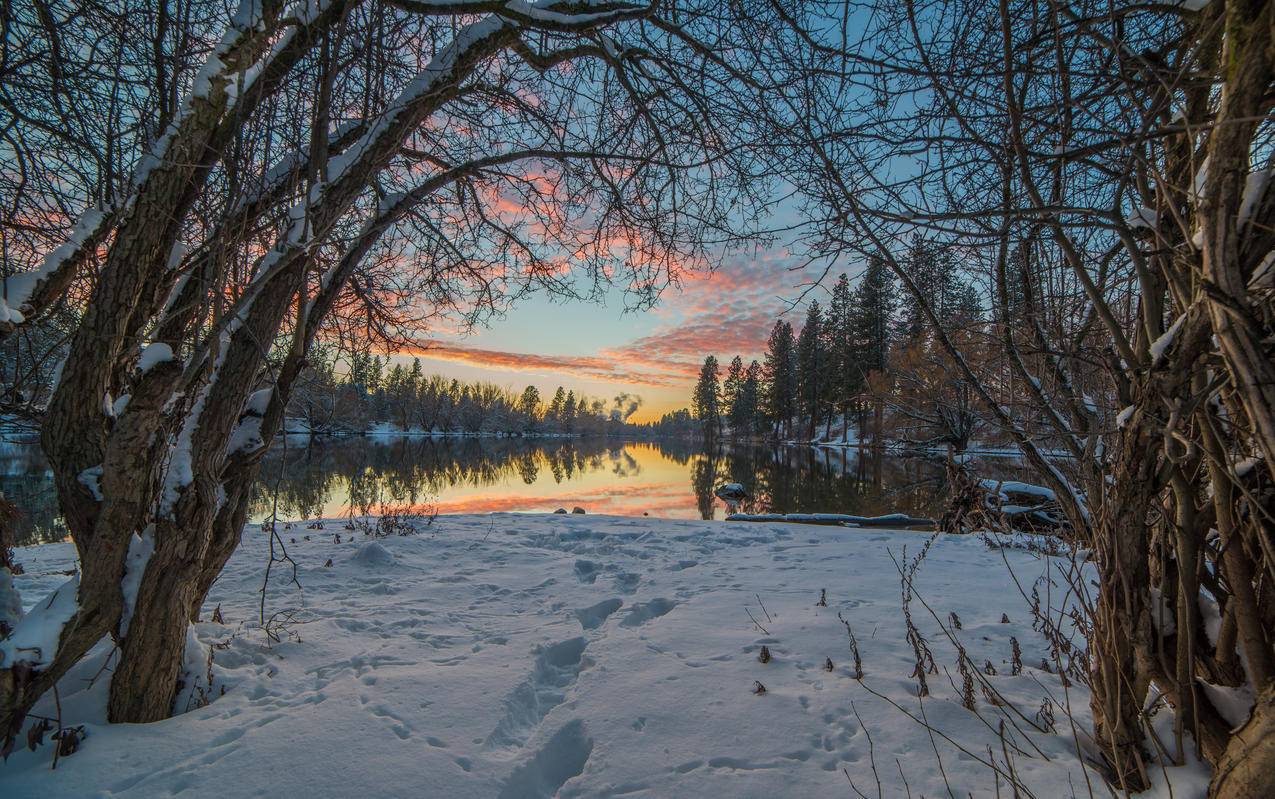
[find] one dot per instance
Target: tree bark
(1247, 768)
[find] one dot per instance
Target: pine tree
(780, 389)
(554, 415)
(417, 374)
(966, 307)
(872, 320)
(569, 411)
(529, 406)
(874, 305)
(810, 365)
(707, 398)
(932, 267)
(746, 411)
(730, 389)
(844, 378)
(358, 371)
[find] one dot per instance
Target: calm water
(470, 475)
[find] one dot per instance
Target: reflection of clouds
(662, 478)
(619, 500)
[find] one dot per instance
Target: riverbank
(517, 656)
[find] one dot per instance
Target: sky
(601, 351)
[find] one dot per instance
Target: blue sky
(598, 349)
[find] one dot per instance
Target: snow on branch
(35, 638)
(22, 287)
(140, 549)
(1161, 345)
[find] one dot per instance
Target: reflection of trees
(677, 450)
(808, 480)
(411, 471)
(528, 467)
(704, 479)
(414, 471)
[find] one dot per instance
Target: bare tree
(333, 168)
(1106, 167)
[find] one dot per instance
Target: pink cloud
(725, 313)
(597, 367)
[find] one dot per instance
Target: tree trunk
(878, 423)
(145, 681)
(1247, 768)
(1123, 641)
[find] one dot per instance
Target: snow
(1254, 190)
(259, 401)
(246, 436)
(1234, 704)
(153, 355)
(1246, 465)
(1142, 217)
(140, 549)
(1200, 182)
(10, 600)
(180, 458)
(91, 478)
(35, 638)
(1211, 617)
(1162, 344)
(19, 288)
(478, 658)
(175, 255)
(1125, 415)
(439, 69)
(373, 554)
(194, 676)
(1163, 617)
(1006, 488)
(843, 519)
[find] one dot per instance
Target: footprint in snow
(641, 614)
(593, 616)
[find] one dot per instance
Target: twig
(755, 622)
(763, 609)
(57, 747)
(872, 761)
(935, 746)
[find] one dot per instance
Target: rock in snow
(486, 666)
(732, 491)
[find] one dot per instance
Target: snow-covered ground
(516, 656)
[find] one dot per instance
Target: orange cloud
(602, 368)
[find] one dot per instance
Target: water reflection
(671, 478)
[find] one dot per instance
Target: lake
(667, 478)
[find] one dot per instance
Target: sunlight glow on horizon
(599, 351)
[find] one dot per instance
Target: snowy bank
(519, 656)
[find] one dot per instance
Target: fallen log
(835, 519)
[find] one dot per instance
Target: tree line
(362, 391)
(861, 354)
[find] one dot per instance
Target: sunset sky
(601, 351)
